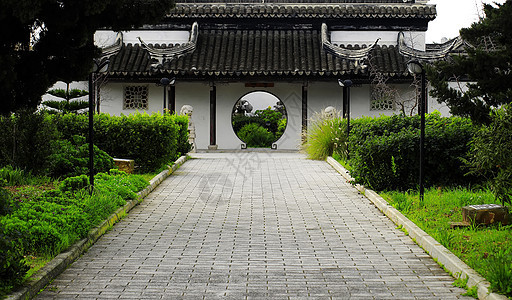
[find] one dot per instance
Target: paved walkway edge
(443, 256)
(45, 275)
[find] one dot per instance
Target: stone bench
(126, 165)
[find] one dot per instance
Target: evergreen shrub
(384, 151)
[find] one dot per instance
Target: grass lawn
(488, 250)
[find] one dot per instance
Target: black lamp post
(415, 67)
(346, 84)
(99, 66)
(165, 82)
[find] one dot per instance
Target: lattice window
(382, 97)
(135, 97)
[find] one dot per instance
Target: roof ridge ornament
(443, 51)
(113, 48)
(352, 54)
(161, 54)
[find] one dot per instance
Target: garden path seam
(45, 275)
(437, 251)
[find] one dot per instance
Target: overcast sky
(453, 15)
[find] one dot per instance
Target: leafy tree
(487, 65)
(43, 41)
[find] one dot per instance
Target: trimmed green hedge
(384, 151)
(150, 140)
(28, 140)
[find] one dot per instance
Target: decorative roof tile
(293, 1)
(247, 53)
(298, 10)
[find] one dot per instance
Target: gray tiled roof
(298, 10)
(254, 53)
(294, 1)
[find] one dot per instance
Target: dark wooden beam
(172, 99)
(213, 115)
(304, 109)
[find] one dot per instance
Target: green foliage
(281, 126)
(10, 176)
(72, 158)
(499, 271)
(46, 41)
(270, 118)
(486, 65)
(384, 151)
(256, 136)
(150, 140)
(74, 183)
(12, 263)
(239, 121)
(5, 202)
(472, 292)
(25, 142)
(491, 153)
(326, 136)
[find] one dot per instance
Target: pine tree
(43, 41)
(487, 65)
(70, 100)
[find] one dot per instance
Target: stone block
(485, 214)
(126, 165)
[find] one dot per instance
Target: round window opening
(259, 119)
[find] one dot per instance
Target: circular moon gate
(259, 119)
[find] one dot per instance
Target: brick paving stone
(254, 226)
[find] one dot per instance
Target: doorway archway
(259, 119)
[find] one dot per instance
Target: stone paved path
(254, 226)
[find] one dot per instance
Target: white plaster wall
(289, 93)
(323, 94)
(112, 99)
(197, 95)
(104, 38)
(414, 39)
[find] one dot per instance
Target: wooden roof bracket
(433, 55)
(161, 54)
(352, 54)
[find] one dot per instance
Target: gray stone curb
(57, 265)
(437, 251)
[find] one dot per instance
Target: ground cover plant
(488, 250)
(38, 223)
